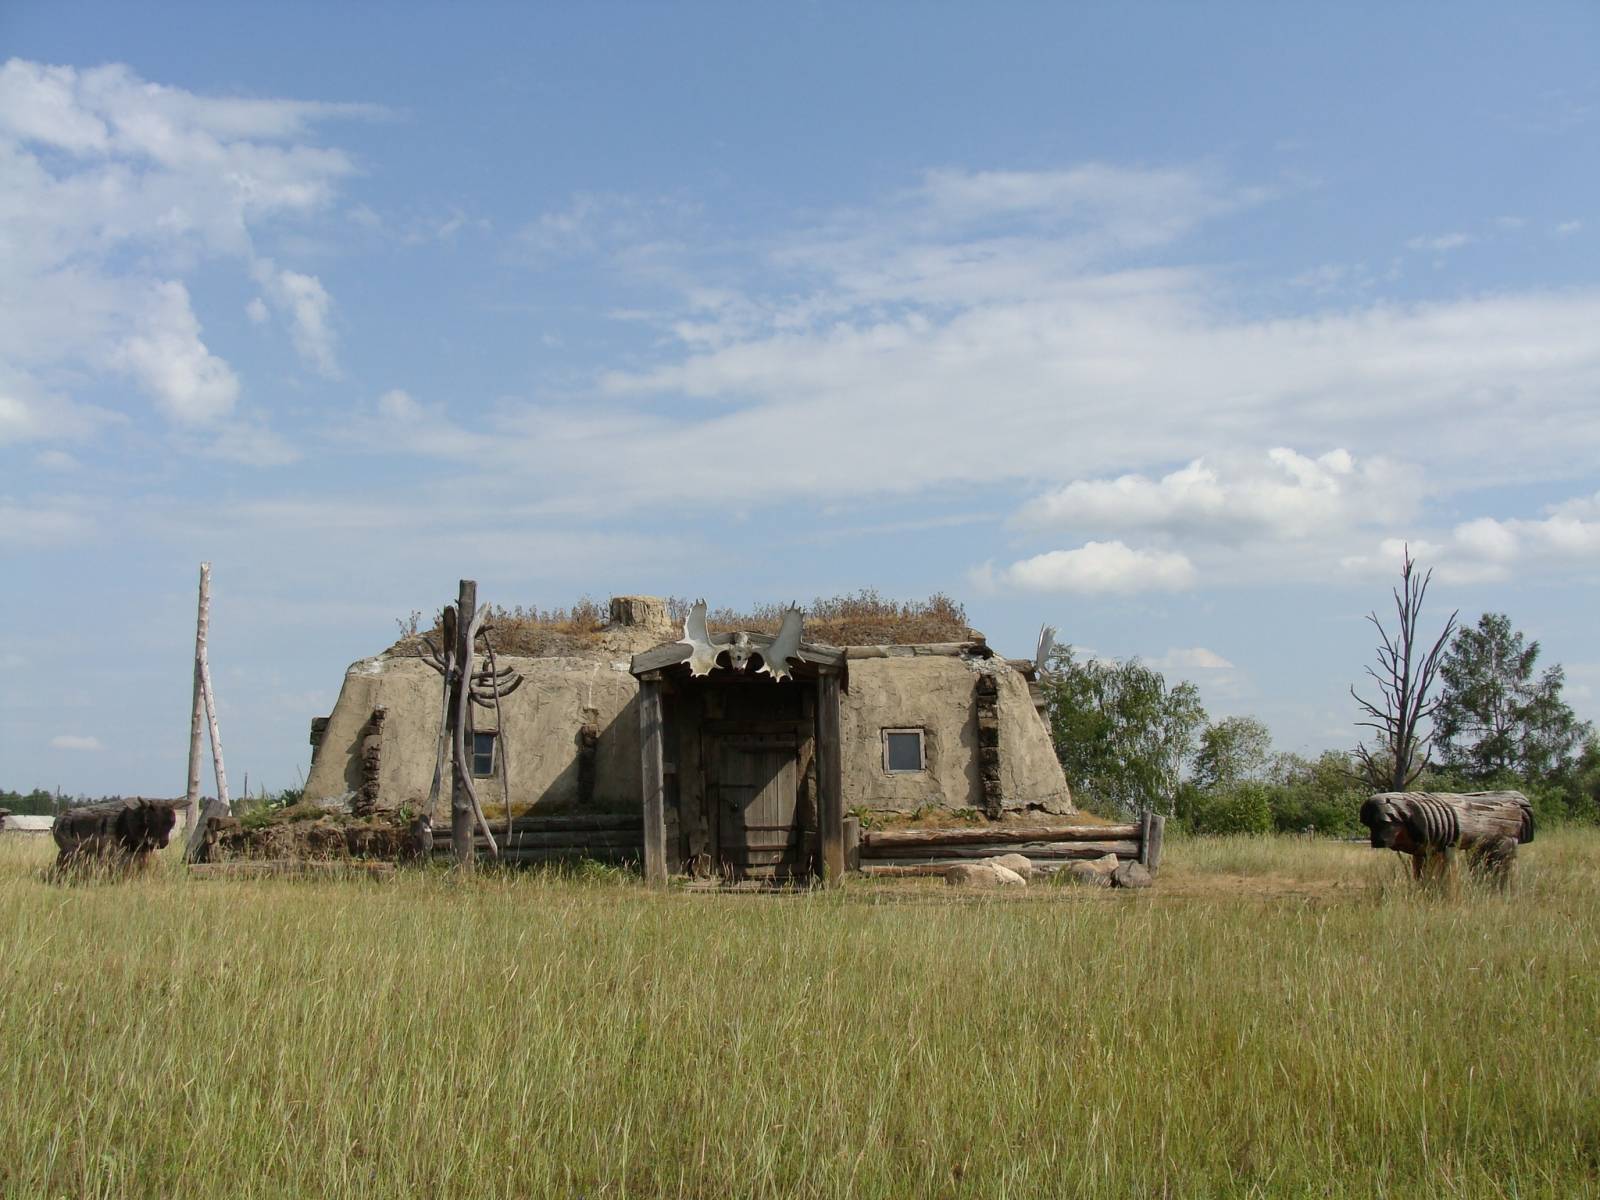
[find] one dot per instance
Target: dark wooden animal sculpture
(1487, 827)
(116, 835)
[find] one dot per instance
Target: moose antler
(703, 655)
(1047, 643)
(786, 645)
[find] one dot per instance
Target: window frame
(922, 749)
(494, 752)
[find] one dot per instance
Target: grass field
(1278, 1018)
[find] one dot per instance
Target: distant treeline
(40, 803)
(1127, 741)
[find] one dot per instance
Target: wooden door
(756, 799)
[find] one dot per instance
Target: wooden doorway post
(461, 816)
(652, 773)
(830, 793)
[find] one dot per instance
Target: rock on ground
(982, 874)
(1096, 871)
(1014, 862)
(1131, 875)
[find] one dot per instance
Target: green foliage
(1123, 737)
(1315, 796)
(37, 803)
(1232, 749)
(1240, 807)
(1496, 718)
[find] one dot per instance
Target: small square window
(483, 754)
(902, 751)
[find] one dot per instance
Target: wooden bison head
(1391, 825)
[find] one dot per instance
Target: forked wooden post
(461, 815)
(652, 773)
(830, 795)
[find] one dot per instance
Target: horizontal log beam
(599, 822)
(984, 835)
(975, 649)
(1042, 850)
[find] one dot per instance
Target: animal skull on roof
(740, 648)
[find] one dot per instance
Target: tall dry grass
(534, 1035)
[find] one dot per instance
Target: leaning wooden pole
(191, 794)
(460, 718)
(205, 703)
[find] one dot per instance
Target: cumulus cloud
(76, 742)
(1280, 494)
(103, 173)
(1099, 568)
(1487, 549)
(307, 305)
(172, 364)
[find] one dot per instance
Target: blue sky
(1167, 324)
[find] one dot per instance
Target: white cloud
(1281, 494)
(398, 406)
(1568, 228)
(112, 190)
(1196, 658)
(1489, 549)
(76, 742)
(1440, 243)
(256, 310)
(167, 357)
(1100, 568)
(306, 303)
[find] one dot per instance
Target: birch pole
(202, 671)
(191, 795)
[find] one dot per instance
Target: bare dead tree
(1403, 706)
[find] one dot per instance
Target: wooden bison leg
(1491, 860)
(1433, 865)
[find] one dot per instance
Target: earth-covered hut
(922, 726)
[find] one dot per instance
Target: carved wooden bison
(1487, 827)
(114, 835)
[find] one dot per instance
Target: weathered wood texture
(1057, 851)
(977, 648)
(191, 794)
(116, 834)
(460, 718)
(830, 784)
(653, 774)
(1432, 826)
(893, 852)
(1154, 836)
(875, 840)
(220, 805)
